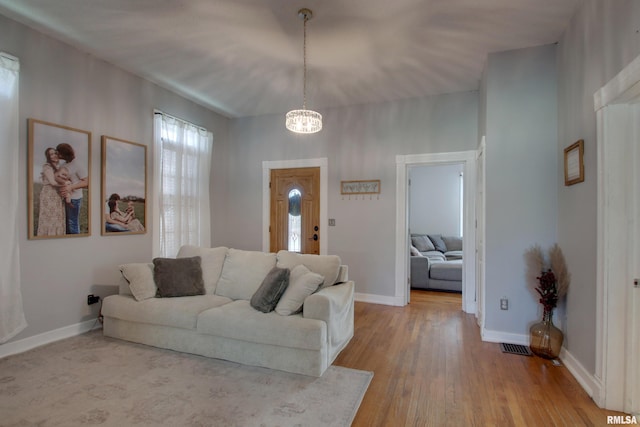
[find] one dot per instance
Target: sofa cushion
(453, 243)
(453, 255)
(243, 273)
(302, 283)
(422, 243)
(178, 277)
(179, 312)
(211, 263)
(139, 276)
(414, 251)
(438, 243)
(448, 270)
(238, 320)
(343, 274)
(434, 256)
(328, 266)
(273, 286)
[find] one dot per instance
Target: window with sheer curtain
(181, 182)
(12, 319)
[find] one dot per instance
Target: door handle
(315, 237)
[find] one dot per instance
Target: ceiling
(244, 57)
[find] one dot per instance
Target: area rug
(93, 380)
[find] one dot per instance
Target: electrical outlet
(504, 303)
(92, 299)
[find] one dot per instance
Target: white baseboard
(505, 337)
(588, 381)
(470, 307)
(379, 299)
(29, 343)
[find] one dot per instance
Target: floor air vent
(522, 350)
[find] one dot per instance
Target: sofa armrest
(420, 271)
(333, 305)
(419, 262)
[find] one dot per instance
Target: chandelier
(304, 121)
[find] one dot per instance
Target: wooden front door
(295, 210)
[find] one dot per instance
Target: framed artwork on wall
(574, 163)
(124, 187)
(360, 187)
(59, 181)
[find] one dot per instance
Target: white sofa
(222, 323)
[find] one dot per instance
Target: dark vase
(545, 339)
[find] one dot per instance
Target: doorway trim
(403, 162)
(267, 165)
(480, 227)
(614, 369)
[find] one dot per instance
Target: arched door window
(295, 220)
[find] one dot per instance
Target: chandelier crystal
(304, 121)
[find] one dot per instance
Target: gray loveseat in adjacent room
(436, 262)
(230, 314)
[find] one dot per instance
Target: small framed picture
(360, 187)
(124, 187)
(574, 163)
(59, 181)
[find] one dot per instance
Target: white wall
(601, 40)
(62, 85)
(360, 142)
(521, 178)
(434, 199)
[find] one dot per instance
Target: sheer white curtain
(12, 319)
(182, 162)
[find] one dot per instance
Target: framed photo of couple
(59, 181)
(124, 187)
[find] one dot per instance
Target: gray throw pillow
(422, 243)
(453, 243)
(438, 243)
(178, 277)
(273, 286)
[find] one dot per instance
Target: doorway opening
(267, 167)
(403, 239)
(436, 227)
(294, 222)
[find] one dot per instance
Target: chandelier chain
(304, 63)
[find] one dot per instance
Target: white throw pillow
(302, 283)
(243, 273)
(212, 262)
(328, 266)
(140, 278)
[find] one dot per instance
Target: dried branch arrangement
(547, 277)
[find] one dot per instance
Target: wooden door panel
(307, 181)
(310, 246)
(279, 230)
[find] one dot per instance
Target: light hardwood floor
(432, 369)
